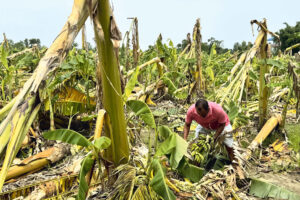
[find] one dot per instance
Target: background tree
(205, 46)
(242, 46)
(289, 36)
(34, 41)
(219, 45)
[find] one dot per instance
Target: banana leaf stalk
(154, 60)
(181, 54)
(289, 49)
(7, 108)
(15, 135)
(135, 42)
(28, 50)
(284, 111)
(198, 39)
(237, 79)
(83, 38)
(97, 134)
(296, 88)
(107, 34)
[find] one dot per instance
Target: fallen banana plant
(24, 108)
(296, 87)
(28, 50)
(70, 101)
(289, 49)
(262, 135)
(73, 137)
(141, 67)
(38, 161)
(57, 185)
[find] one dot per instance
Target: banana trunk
(106, 33)
(262, 135)
(263, 89)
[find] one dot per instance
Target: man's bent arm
(219, 131)
(186, 130)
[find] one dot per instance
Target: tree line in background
(290, 35)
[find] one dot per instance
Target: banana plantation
(111, 122)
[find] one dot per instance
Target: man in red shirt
(211, 117)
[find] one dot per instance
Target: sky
(227, 20)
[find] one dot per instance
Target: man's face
(201, 111)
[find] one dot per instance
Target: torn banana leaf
(189, 171)
(174, 145)
(158, 181)
(142, 110)
(263, 189)
(70, 102)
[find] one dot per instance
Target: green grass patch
(293, 133)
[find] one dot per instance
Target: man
(210, 117)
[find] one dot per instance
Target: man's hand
(186, 131)
(216, 136)
(218, 132)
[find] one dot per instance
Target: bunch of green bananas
(201, 148)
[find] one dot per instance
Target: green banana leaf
(261, 188)
(131, 84)
(70, 101)
(68, 136)
(275, 63)
(88, 118)
(253, 75)
(3, 56)
(102, 143)
(86, 166)
(176, 77)
(142, 110)
(181, 94)
(174, 145)
(233, 111)
(164, 132)
(210, 73)
(172, 88)
(189, 171)
(158, 181)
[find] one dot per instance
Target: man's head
(202, 107)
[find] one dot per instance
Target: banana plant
(173, 146)
(82, 64)
(107, 39)
(95, 150)
(155, 170)
(7, 75)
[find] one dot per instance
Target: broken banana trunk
(38, 161)
(20, 117)
(262, 135)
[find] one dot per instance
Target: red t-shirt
(213, 120)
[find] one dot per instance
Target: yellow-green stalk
(263, 89)
(115, 124)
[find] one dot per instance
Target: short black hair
(202, 103)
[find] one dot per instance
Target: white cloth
(228, 140)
